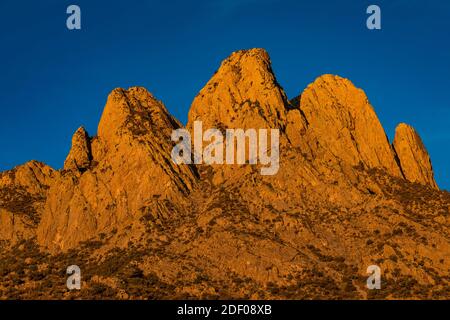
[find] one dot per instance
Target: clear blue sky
(53, 80)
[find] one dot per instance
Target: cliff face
(343, 198)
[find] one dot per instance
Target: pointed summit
(80, 156)
(243, 93)
(342, 125)
(134, 112)
(130, 174)
(413, 156)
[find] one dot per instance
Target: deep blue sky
(53, 80)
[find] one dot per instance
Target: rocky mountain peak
(413, 156)
(23, 191)
(341, 124)
(34, 176)
(134, 112)
(80, 154)
(243, 93)
(130, 174)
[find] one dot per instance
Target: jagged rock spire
(80, 155)
(413, 156)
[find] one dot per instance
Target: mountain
(140, 226)
(111, 181)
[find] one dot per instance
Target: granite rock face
(413, 156)
(243, 93)
(80, 155)
(341, 125)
